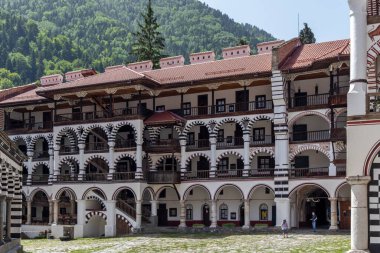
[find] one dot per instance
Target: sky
(328, 19)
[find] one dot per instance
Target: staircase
(127, 211)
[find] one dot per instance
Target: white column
(213, 155)
(110, 229)
(28, 212)
(139, 172)
(138, 214)
(334, 213)
(111, 145)
(247, 221)
(81, 211)
(182, 215)
(55, 212)
(332, 167)
(359, 213)
(282, 210)
(82, 171)
(246, 138)
(356, 98)
(56, 162)
(153, 212)
(51, 164)
(182, 142)
(30, 172)
(214, 217)
(51, 212)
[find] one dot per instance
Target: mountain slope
(60, 35)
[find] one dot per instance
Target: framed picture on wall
(172, 212)
(233, 216)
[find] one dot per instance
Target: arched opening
(146, 206)
(198, 138)
(262, 133)
(230, 135)
(96, 141)
(125, 169)
(166, 140)
(22, 146)
(230, 166)
(168, 207)
(97, 170)
(168, 164)
(40, 174)
(68, 143)
(94, 200)
(67, 208)
(126, 201)
(262, 208)
(310, 128)
(40, 209)
(41, 150)
(310, 163)
(343, 195)
(262, 165)
(198, 197)
(307, 199)
(228, 200)
(125, 138)
(69, 171)
(95, 227)
(198, 167)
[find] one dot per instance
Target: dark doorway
(345, 215)
(318, 202)
(241, 100)
(203, 137)
(202, 104)
(47, 120)
(206, 215)
(300, 99)
(274, 216)
(162, 215)
(203, 167)
(299, 132)
(242, 218)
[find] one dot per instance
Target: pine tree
(306, 35)
(149, 43)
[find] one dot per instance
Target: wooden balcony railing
(96, 147)
(41, 155)
(310, 136)
(263, 140)
(373, 102)
(126, 208)
(67, 178)
(68, 150)
(309, 172)
(161, 145)
(163, 177)
(238, 173)
(230, 142)
(40, 179)
(340, 171)
(122, 143)
(310, 100)
(95, 177)
(124, 176)
(25, 125)
(198, 145)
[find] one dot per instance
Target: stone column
(111, 145)
(182, 142)
(55, 212)
(139, 153)
(332, 167)
(246, 138)
(56, 162)
(247, 221)
(359, 213)
(30, 158)
(334, 213)
(182, 215)
(213, 155)
(72, 207)
(28, 212)
(2, 201)
(153, 212)
(78, 229)
(356, 97)
(138, 214)
(282, 210)
(51, 164)
(81, 161)
(9, 220)
(214, 217)
(51, 211)
(110, 229)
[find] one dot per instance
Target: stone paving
(298, 241)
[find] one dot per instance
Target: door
(162, 215)
(47, 120)
(345, 215)
(203, 138)
(238, 135)
(241, 100)
(274, 216)
(300, 99)
(300, 133)
(202, 104)
(241, 211)
(206, 215)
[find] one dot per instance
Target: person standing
(285, 228)
(314, 219)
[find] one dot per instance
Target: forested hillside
(40, 37)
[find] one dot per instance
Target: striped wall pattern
(16, 208)
(121, 217)
(98, 200)
(95, 213)
(374, 208)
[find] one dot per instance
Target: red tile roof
(27, 96)
(166, 117)
(307, 55)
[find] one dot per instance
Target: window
(263, 212)
(220, 137)
(189, 212)
(220, 105)
(261, 102)
(223, 212)
(265, 162)
(160, 108)
(259, 134)
(223, 164)
(191, 138)
(186, 108)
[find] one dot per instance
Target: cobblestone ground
(300, 241)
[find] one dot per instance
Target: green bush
(229, 225)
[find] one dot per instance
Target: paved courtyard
(300, 241)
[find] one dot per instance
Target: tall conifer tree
(306, 35)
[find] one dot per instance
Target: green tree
(306, 35)
(150, 43)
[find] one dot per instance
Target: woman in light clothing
(285, 228)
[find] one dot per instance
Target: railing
(198, 144)
(338, 134)
(229, 142)
(40, 178)
(68, 150)
(67, 178)
(41, 155)
(373, 8)
(24, 179)
(26, 125)
(163, 177)
(309, 172)
(95, 177)
(161, 144)
(310, 100)
(238, 173)
(373, 102)
(124, 176)
(199, 174)
(264, 140)
(321, 135)
(341, 171)
(125, 143)
(127, 208)
(96, 146)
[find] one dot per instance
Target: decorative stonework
(229, 152)
(295, 149)
(198, 154)
(124, 155)
(94, 157)
(255, 151)
(305, 113)
(95, 213)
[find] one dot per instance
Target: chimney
(235, 52)
(51, 80)
(172, 62)
(114, 67)
(77, 74)
(141, 66)
(266, 47)
(202, 57)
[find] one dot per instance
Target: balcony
(230, 142)
(163, 145)
(198, 145)
(96, 147)
(68, 150)
(40, 179)
(163, 177)
(309, 172)
(66, 178)
(266, 140)
(310, 136)
(15, 126)
(230, 174)
(124, 176)
(124, 144)
(95, 177)
(309, 102)
(41, 155)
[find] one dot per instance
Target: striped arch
(228, 120)
(70, 133)
(116, 128)
(31, 195)
(124, 155)
(114, 196)
(256, 151)
(154, 131)
(309, 184)
(70, 191)
(229, 152)
(39, 136)
(372, 55)
(306, 148)
(84, 196)
(38, 164)
(87, 130)
(19, 137)
(255, 119)
(191, 124)
(121, 217)
(69, 160)
(161, 159)
(99, 200)
(94, 157)
(305, 113)
(95, 213)
(149, 159)
(199, 154)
